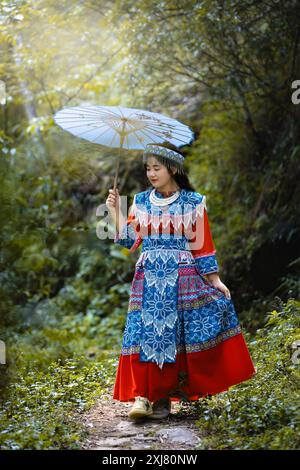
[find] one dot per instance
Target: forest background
(226, 69)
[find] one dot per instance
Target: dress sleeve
(128, 237)
(202, 247)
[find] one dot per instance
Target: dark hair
(181, 177)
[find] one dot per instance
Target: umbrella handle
(115, 185)
(117, 198)
(118, 162)
(117, 173)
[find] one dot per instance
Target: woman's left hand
(218, 284)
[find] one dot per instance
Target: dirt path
(109, 428)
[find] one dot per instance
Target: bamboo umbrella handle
(122, 137)
(115, 182)
(117, 172)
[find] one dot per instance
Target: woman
(182, 338)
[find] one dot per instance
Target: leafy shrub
(40, 409)
(263, 412)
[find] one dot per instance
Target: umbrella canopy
(119, 127)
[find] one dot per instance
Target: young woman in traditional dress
(182, 338)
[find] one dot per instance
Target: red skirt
(192, 376)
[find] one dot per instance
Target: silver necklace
(156, 201)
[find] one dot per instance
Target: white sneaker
(141, 407)
(161, 408)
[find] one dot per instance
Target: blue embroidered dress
(181, 333)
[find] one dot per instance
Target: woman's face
(157, 173)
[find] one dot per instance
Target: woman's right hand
(113, 200)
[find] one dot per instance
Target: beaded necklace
(156, 201)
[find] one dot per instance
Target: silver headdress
(155, 149)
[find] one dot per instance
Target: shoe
(141, 407)
(161, 408)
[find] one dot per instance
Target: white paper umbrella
(119, 127)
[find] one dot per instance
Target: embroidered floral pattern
(207, 264)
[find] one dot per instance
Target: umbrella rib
(94, 111)
(135, 131)
(159, 125)
(162, 125)
(100, 135)
(139, 139)
(174, 136)
(86, 118)
(152, 121)
(120, 110)
(169, 126)
(79, 135)
(88, 114)
(143, 132)
(152, 115)
(85, 124)
(157, 129)
(149, 136)
(173, 123)
(177, 138)
(113, 138)
(109, 111)
(163, 119)
(91, 129)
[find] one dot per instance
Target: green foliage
(224, 68)
(41, 405)
(263, 412)
(60, 359)
(59, 372)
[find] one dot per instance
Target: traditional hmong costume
(182, 337)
